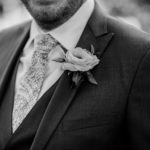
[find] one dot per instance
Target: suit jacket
(115, 114)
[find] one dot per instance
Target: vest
(23, 137)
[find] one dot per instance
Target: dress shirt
(68, 34)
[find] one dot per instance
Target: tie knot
(45, 41)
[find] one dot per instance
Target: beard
(52, 15)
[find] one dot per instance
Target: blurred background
(135, 12)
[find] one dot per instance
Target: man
(40, 109)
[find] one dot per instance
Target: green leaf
(92, 49)
(77, 78)
(91, 78)
(60, 60)
(69, 73)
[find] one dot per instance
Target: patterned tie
(31, 83)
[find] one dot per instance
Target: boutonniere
(79, 63)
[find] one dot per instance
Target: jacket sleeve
(138, 108)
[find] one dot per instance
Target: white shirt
(68, 34)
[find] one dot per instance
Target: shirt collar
(69, 33)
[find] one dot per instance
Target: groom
(41, 109)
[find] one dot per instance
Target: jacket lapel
(99, 28)
(94, 34)
(13, 45)
(56, 109)
(59, 104)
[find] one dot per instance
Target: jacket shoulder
(10, 33)
(128, 38)
(128, 48)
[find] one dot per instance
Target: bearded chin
(48, 20)
(49, 17)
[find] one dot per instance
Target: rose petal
(80, 60)
(68, 66)
(81, 57)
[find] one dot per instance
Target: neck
(67, 14)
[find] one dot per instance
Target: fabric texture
(26, 132)
(24, 136)
(31, 84)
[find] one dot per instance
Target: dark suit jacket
(115, 114)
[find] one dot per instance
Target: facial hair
(51, 18)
